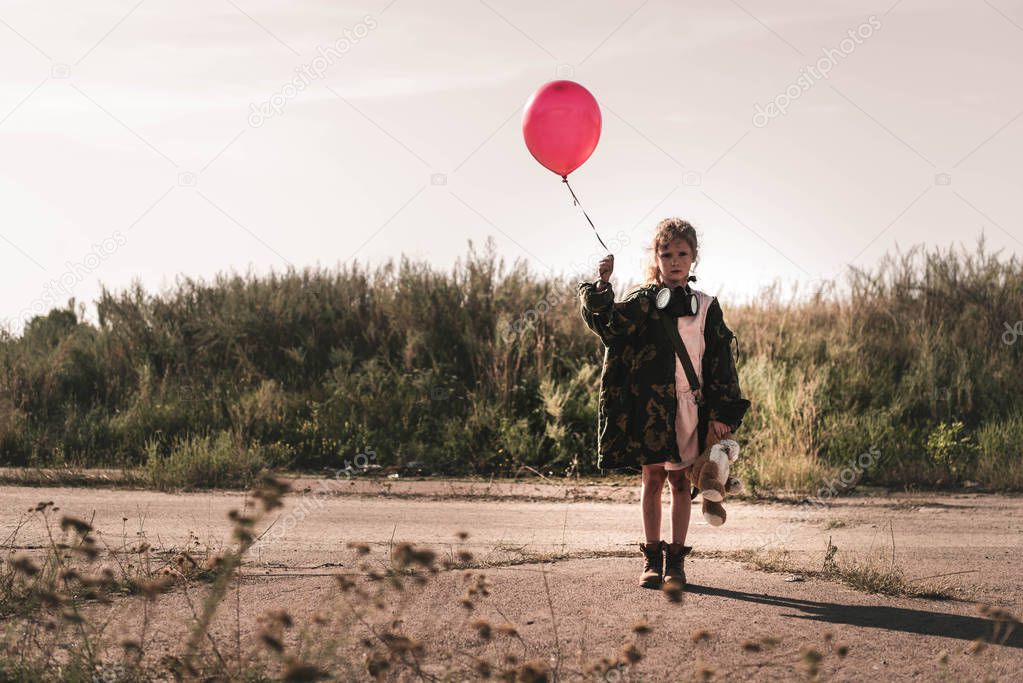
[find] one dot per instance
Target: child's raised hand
(606, 265)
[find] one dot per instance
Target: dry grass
(877, 573)
(68, 571)
(71, 476)
(55, 629)
(55, 634)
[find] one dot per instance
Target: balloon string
(575, 201)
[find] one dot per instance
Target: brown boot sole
(679, 581)
(654, 582)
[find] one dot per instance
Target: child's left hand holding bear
(720, 430)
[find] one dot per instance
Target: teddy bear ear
(733, 486)
(732, 448)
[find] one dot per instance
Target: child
(648, 414)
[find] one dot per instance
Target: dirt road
(571, 552)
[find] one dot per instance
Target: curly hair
(666, 231)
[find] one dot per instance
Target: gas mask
(677, 301)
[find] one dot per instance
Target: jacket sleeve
(721, 379)
(612, 321)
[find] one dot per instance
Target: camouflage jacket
(637, 404)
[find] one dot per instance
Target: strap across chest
(671, 328)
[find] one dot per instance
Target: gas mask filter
(677, 301)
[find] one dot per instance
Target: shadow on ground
(900, 619)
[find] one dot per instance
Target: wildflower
(303, 673)
(811, 660)
(88, 548)
(482, 627)
(243, 535)
(673, 591)
(402, 644)
(25, 566)
(699, 635)
(533, 672)
(213, 562)
(281, 617)
(272, 642)
(185, 561)
(151, 588)
(631, 653)
(81, 527)
(376, 665)
(240, 519)
(404, 555)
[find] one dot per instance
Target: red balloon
(561, 125)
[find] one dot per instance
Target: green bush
(487, 369)
(1000, 463)
(203, 462)
(951, 448)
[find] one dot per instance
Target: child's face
(674, 260)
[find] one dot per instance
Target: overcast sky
(136, 138)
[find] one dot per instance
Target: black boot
(653, 569)
(674, 570)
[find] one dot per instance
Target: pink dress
(690, 328)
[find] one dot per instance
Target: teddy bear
(709, 473)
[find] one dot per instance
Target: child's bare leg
(681, 505)
(650, 500)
